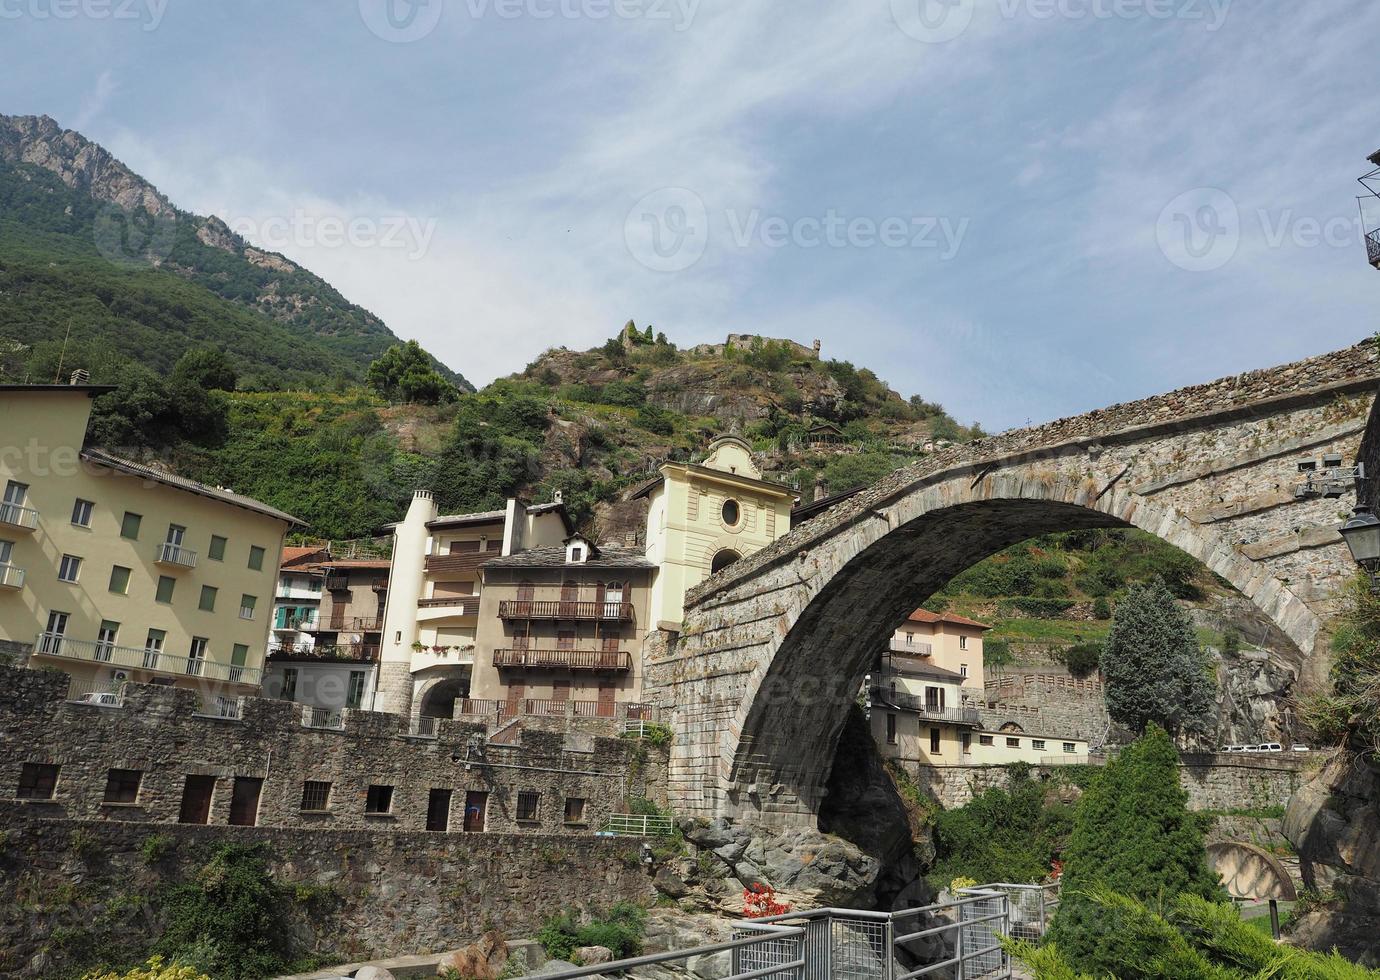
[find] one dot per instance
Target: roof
(293, 555)
(92, 391)
(647, 487)
(624, 558)
(459, 520)
(806, 511)
(953, 619)
(699, 469)
(131, 468)
(346, 564)
(910, 665)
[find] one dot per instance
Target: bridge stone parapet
(774, 648)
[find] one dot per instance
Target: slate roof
(131, 468)
(624, 558)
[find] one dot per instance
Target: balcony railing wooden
(464, 605)
(565, 609)
(466, 561)
(137, 658)
(174, 554)
(11, 577)
(564, 659)
(927, 710)
(19, 517)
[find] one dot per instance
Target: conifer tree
(1153, 667)
(1132, 834)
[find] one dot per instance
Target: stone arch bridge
(774, 649)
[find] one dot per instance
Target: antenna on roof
(62, 356)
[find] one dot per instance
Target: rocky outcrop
(1334, 823)
(1254, 691)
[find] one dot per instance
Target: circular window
(732, 512)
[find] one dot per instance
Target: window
(438, 811)
(176, 532)
(122, 786)
(69, 569)
(256, 558)
(890, 729)
(208, 598)
(577, 554)
(910, 639)
(732, 512)
(985, 740)
(81, 512)
(722, 560)
(51, 641)
(105, 640)
(196, 656)
(316, 796)
(153, 646)
(239, 653)
(166, 585)
(967, 739)
(129, 526)
(197, 792)
(119, 580)
(354, 695)
(574, 810)
(379, 801)
(1038, 744)
(934, 741)
(1013, 743)
(37, 781)
(247, 604)
(1070, 748)
(962, 670)
(963, 643)
(527, 807)
(217, 550)
(16, 493)
(6, 549)
(244, 801)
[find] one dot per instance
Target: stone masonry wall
(1064, 705)
(1224, 781)
(69, 888)
(158, 734)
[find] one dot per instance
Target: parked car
(1300, 748)
(105, 700)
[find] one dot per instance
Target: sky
(1021, 209)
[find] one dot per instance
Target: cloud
(94, 102)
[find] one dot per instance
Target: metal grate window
(527, 806)
(122, 786)
(37, 781)
(316, 795)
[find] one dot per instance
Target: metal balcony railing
(175, 554)
(927, 710)
(423, 727)
(296, 624)
(1373, 247)
(629, 825)
(18, 516)
(138, 658)
(327, 718)
(462, 605)
(551, 707)
(564, 659)
(910, 649)
(565, 609)
(11, 577)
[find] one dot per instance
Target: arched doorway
(723, 559)
(438, 700)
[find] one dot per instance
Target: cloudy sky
(1020, 208)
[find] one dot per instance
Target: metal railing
(564, 659)
(910, 649)
(175, 554)
(1373, 247)
(142, 658)
(423, 727)
(102, 693)
(564, 609)
(11, 577)
(1071, 760)
(296, 624)
(635, 825)
(17, 515)
(553, 708)
(230, 709)
(955, 940)
(925, 709)
(329, 718)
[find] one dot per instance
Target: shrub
(1009, 834)
(759, 902)
(154, 969)
(621, 929)
(155, 848)
(1101, 608)
(997, 653)
(1132, 834)
(1038, 606)
(1081, 659)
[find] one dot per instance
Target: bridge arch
(775, 647)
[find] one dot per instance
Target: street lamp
(1362, 537)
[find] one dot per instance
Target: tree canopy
(405, 373)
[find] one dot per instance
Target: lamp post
(1362, 537)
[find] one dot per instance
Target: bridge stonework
(774, 648)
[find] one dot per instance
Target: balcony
(18, 518)
(910, 649)
(175, 555)
(352, 624)
(614, 660)
(326, 653)
(296, 624)
(11, 577)
(465, 562)
(621, 612)
(927, 710)
(1373, 247)
(297, 590)
(452, 605)
(551, 708)
(137, 658)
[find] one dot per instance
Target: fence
(955, 940)
(323, 718)
(630, 825)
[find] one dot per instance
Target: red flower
(759, 902)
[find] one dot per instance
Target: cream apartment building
(702, 517)
(113, 571)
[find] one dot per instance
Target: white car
(1300, 748)
(105, 700)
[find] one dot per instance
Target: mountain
(93, 254)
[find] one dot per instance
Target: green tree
(207, 367)
(857, 470)
(1132, 834)
(405, 374)
(1154, 670)
(1010, 834)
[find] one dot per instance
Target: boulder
(593, 955)
(528, 954)
(670, 885)
(373, 973)
(482, 960)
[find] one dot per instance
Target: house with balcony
(431, 619)
(561, 631)
(113, 570)
(328, 627)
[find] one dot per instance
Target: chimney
(81, 376)
(818, 347)
(558, 497)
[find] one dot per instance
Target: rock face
(483, 960)
(1254, 690)
(1334, 822)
